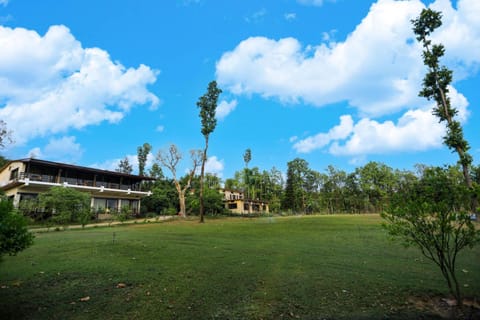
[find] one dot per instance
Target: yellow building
(236, 202)
(27, 178)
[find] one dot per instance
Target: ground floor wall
(241, 206)
(99, 203)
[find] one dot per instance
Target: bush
(14, 235)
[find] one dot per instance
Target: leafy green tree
(66, 205)
(163, 200)
(432, 214)
(14, 235)
(142, 154)
(208, 106)
(124, 166)
(333, 189)
(295, 192)
(213, 201)
(436, 87)
(376, 181)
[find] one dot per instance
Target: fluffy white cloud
(342, 131)
(416, 130)
(214, 166)
(64, 149)
(225, 108)
(49, 83)
(4, 2)
(377, 68)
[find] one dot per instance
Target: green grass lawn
(320, 267)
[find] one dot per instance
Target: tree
(208, 106)
(14, 235)
(124, 166)
(5, 134)
(432, 214)
(170, 160)
(294, 198)
(436, 87)
(142, 154)
(66, 205)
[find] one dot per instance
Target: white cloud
(256, 16)
(290, 16)
(225, 108)
(50, 84)
(415, 130)
(342, 131)
(311, 2)
(35, 153)
(4, 2)
(64, 149)
(160, 128)
(377, 68)
(112, 164)
(214, 166)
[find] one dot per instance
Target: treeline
(368, 189)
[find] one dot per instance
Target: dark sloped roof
(80, 168)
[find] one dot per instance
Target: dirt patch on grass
(446, 308)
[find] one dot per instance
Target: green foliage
(433, 215)
(142, 154)
(164, 198)
(436, 87)
(14, 235)
(124, 166)
(66, 205)
(208, 107)
(213, 202)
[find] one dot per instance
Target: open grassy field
(320, 267)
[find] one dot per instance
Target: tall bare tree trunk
(202, 173)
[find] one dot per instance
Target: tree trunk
(202, 173)
(181, 200)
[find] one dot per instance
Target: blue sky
(334, 82)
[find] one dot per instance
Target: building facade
(109, 191)
(236, 202)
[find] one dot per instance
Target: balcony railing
(78, 182)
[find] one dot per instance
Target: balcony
(46, 178)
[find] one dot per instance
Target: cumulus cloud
(225, 108)
(49, 83)
(64, 149)
(214, 166)
(341, 131)
(377, 69)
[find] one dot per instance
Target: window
(14, 174)
(232, 206)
